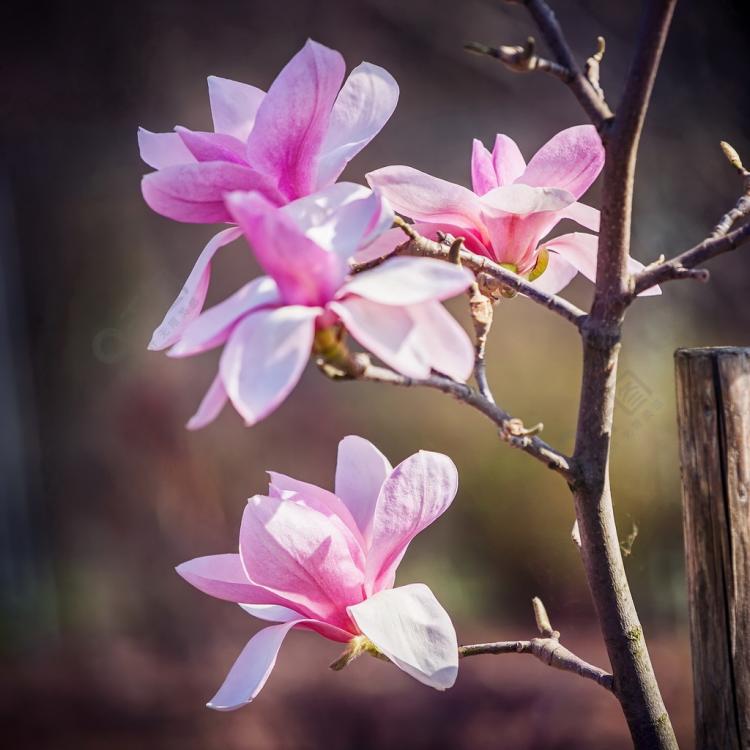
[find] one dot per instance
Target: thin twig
(547, 649)
(510, 429)
(589, 98)
(521, 59)
(722, 239)
(491, 276)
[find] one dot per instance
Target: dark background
(103, 491)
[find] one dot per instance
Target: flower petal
(212, 146)
(426, 198)
(414, 631)
(317, 498)
(361, 470)
(387, 242)
(419, 490)
(212, 327)
(233, 106)
(270, 612)
(190, 300)
(580, 250)
(388, 332)
(264, 358)
(211, 405)
(255, 663)
(483, 176)
(570, 160)
(299, 554)
(363, 106)
(194, 193)
(409, 281)
(507, 159)
(443, 342)
(522, 200)
(558, 274)
(224, 577)
(306, 273)
(341, 218)
(293, 119)
(584, 215)
(163, 149)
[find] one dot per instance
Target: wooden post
(713, 412)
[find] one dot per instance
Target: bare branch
(547, 649)
(722, 239)
(521, 59)
(491, 276)
(510, 429)
(581, 86)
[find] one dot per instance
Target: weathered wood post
(713, 412)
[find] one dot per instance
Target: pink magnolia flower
(512, 208)
(312, 559)
(285, 144)
(268, 326)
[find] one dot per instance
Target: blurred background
(104, 491)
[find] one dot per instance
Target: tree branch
(336, 362)
(721, 240)
(510, 429)
(635, 682)
(582, 87)
(547, 649)
(491, 276)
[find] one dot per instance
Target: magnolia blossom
(269, 325)
(285, 144)
(326, 562)
(512, 208)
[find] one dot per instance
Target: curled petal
(507, 159)
(213, 326)
(410, 627)
(363, 106)
(570, 160)
(194, 193)
(163, 149)
(189, 302)
(361, 470)
(211, 405)
(233, 106)
(418, 491)
(255, 663)
(264, 358)
(409, 281)
(426, 198)
(584, 215)
(293, 119)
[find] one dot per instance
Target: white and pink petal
(412, 629)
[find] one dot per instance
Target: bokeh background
(103, 491)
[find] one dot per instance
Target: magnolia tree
(339, 262)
